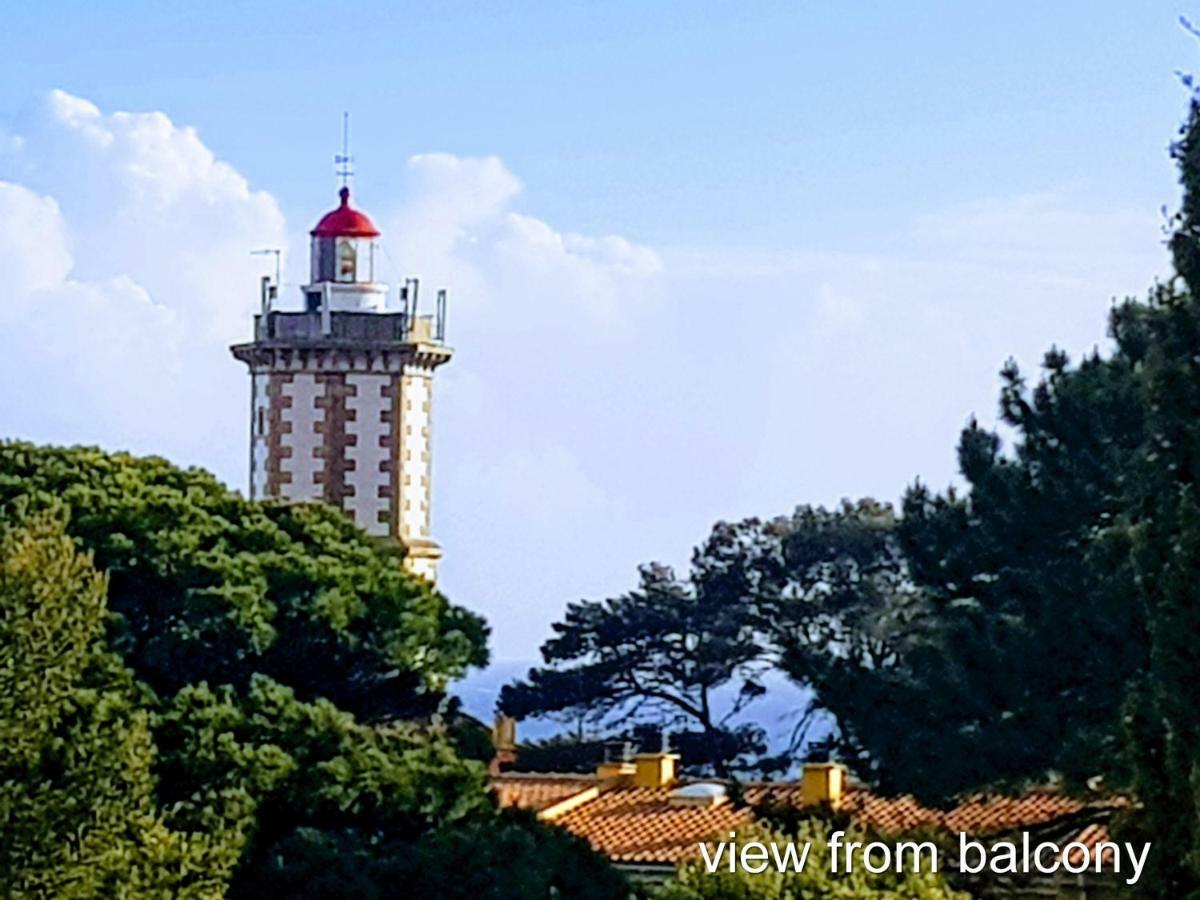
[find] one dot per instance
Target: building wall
(260, 410)
(368, 494)
(350, 428)
(301, 442)
(414, 451)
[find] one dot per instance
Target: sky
(705, 260)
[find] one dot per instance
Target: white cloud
(128, 244)
(145, 198)
(532, 463)
(608, 400)
(457, 225)
(34, 254)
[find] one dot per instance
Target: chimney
(616, 762)
(504, 742)
(822, 784)
(654, 770)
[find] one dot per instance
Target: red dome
(345, 222)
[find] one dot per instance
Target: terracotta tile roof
(977, 814)
(1090, 836)
(536, 790)
(631, 824)
(640, 825)
(990, 813)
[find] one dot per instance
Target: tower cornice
(337, 357)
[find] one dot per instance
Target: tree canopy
(79, 817)
(1041, 623)
(1162, 523)
(249, 695)
(659, 654)
(207, 586)
(986, 637)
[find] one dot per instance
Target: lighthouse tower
(341, 390)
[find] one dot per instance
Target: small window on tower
(262, 421)
(347, 260)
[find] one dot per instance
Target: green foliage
(229, 723)
(695, 882)
(207, 586)
(1035, 632)
(657, 654)
(510, 857)
(310, 765)
(78, 812)
(837, 600)
(470, 738)
(1163, 710)
(1012, 650)
(507, 856)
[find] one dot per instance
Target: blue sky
(705, 260)
(776, 122)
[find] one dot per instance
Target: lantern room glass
(345, 260)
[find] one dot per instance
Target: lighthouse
(341, 389)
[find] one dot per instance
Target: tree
(79, 817)
(207, 586)
(1038, 630)
(658, 653)
(986, 637)
(1026, 631)
(1163, 521)
(242, 715)
(695, 882)
(510, 856)
(308, 768)
(838, 602)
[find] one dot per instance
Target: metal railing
(352, 327)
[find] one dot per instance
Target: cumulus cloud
(532, 416)
(608, 400)
(34, 253)
(127, 242)
(459, 224)
(145, 198)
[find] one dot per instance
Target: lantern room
(342, 265)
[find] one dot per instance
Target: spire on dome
(343, 163)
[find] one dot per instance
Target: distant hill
(777, 712)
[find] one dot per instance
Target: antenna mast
(269, 291)
(270, 251)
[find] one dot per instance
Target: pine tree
(1163, 711)
(78, 810)
(658, 654)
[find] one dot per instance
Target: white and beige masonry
(350, 426)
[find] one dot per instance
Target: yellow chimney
(504, 733)
(504, 742)
(822, 784)
(654, 770)
(616, 768)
